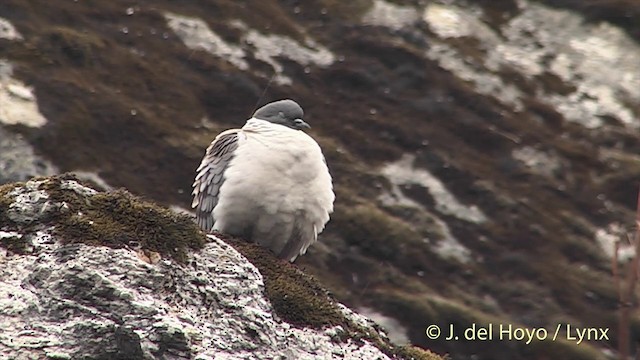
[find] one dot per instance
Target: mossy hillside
(116, 219)
(119, 219)
(300, 300)
(374, 231)
(296, 297)
(385, 237)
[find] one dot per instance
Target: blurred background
(485, 154)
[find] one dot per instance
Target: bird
(267, 182)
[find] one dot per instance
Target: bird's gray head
(284, 112)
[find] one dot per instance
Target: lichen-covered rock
(62, 299)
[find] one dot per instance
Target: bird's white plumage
(276, 189)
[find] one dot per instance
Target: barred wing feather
(210, 177)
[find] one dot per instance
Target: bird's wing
(210, 176)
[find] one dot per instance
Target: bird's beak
(302, 125)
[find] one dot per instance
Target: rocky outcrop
(155, 288)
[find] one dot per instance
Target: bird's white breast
(276, 170)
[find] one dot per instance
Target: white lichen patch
(542, 41)
(9, 234)
(18, 104)
(269, 48)
(484, 82)
(542, 163)
(403, 172)
(8, 31)
(393, 16)
(94, 178)
(607, 239)
(442, 243)
(77, 188)
(448, 247)
(196, 34)
(28, 204)
(582, 54)
(449, 21)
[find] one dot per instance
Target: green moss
(296, 297)
(553, 84)
(118, 219)
(416, 353)
(6, 188)
(469, 47)
(384, 236)
(497, 13)
(347, 10)
(15, 244)
(374, 231)
(5, 202)
(80, 49)
(300, 300)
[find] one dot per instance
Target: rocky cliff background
(484, 152)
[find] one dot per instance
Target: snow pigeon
(267, 182)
